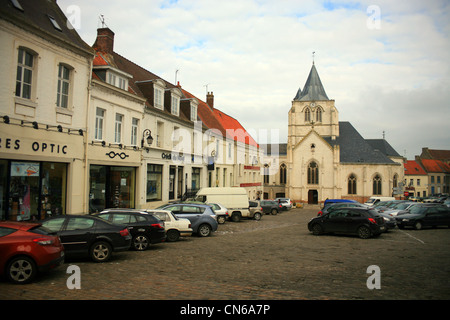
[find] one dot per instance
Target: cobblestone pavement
(276, 258)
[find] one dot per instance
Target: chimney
(104, 41)
(210, 99)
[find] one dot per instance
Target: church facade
(328, 158)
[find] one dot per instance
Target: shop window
(154, 182)
(36, 190)
(111, 187)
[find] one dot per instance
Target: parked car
(396, 208)
(220, 211)
(256, 211)
(89, 236)
(424, 215)
(271, 206)
(27, 249)
(175, 227)
(361, 221)
(145, 228)
(334, 206)
(201, 216)
(285, 202)
(331, 201)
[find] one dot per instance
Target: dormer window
(175, 105)
(193, 112)
(158, 96)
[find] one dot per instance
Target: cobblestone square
(276, 258)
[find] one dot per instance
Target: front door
(313, 197)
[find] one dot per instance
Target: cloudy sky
(385, 63)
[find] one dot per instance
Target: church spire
(313, 89)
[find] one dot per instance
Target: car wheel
(257, 216)
(317, 229)
(204, 230)
(172, 235)
(236, 217)
(418, 225)
(274, 211)
(21, 270)
(101, 251)
(221, 219)
(141, 242)
(364, 232)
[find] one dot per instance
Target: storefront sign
(172, 156)
(36, 146)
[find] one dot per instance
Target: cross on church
(313, 56)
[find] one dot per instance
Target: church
(326, 158)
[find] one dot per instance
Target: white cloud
(255, 54)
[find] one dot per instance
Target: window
(134, 131)
(283, 174)
(122, 83)
(351, 184)
(395, 181)
(313, 173)
(307, 115)
(99, 120)
(193, 113)
(158, 98)
(24, 76)
(266, 174)
(175, 107)
(62, 98)
(118, 128)
(112, 79)
(79, 224)
(154, 182)
(377, 185)
(319, 115)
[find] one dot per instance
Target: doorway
(313, 197)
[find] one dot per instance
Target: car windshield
(402, 205)
(417, 209)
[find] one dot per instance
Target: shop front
(113, 174)
(36, 167)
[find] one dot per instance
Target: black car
(337, 205)
(270, 206)
(144, 227)
(88, 236)
(360, 221)
(424, 215)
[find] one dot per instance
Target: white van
(374, 200)
(235, 199)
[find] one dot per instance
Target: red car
(26, 249)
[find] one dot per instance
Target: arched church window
(319, 115)
(352, 184)
(313, 173)
(395, 181)
(283, 174)
(377, 185)
(307, 115)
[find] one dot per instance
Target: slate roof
(35, 17)
(313, 89)
(355, 149)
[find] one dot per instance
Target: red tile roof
(413, 168)
(234, 128)
(435, 166)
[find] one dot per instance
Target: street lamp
(147, 134)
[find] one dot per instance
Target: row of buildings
(83, 128)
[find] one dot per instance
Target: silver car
(202, 217)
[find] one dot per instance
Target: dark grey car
(424, 215)
(202, 217)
